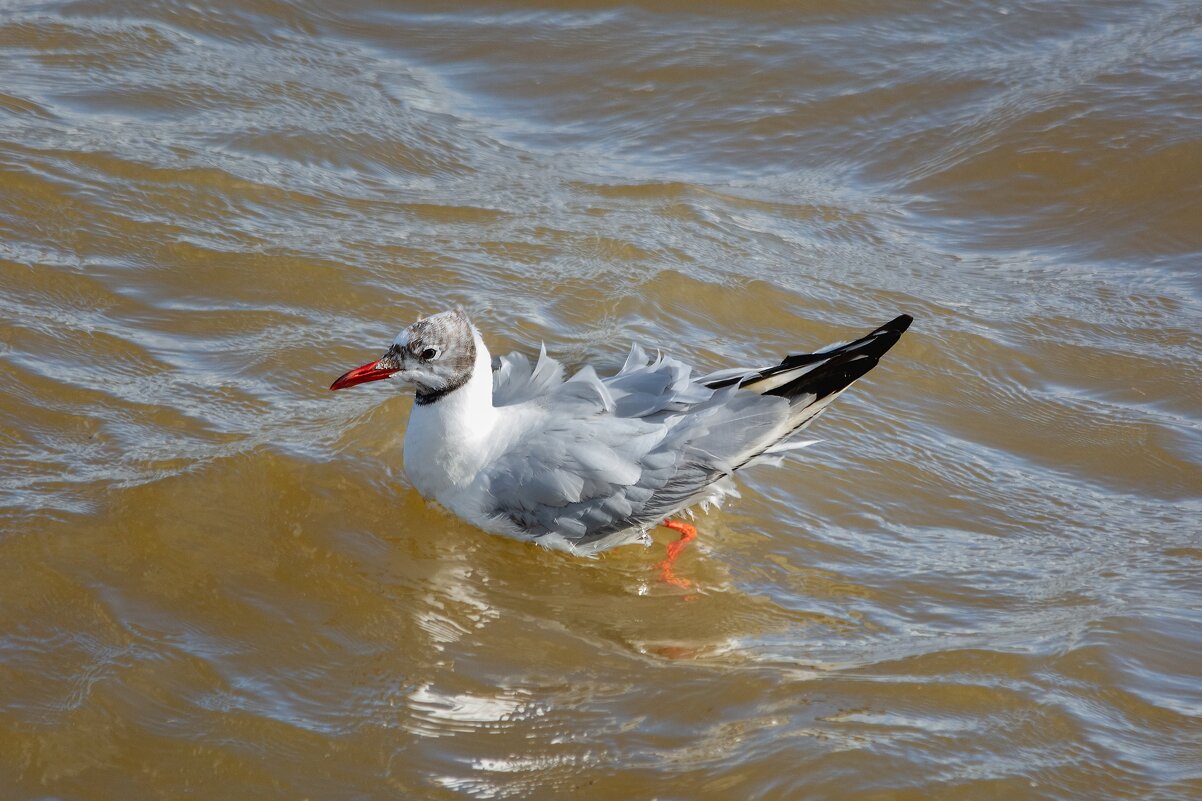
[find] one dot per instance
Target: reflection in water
(215, 578)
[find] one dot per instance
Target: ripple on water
(980, 584)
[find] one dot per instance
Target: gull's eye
(428, 354)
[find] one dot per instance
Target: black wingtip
(873, 345)
(878, 343)
(842, 366)
(881, 340)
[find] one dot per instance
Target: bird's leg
(688, 533)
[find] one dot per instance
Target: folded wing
(605, 456)
(619, 454)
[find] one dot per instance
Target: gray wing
(626, 451)
(622, 452)
(514, 381)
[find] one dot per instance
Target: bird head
(436, 354)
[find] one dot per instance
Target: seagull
(587, 463)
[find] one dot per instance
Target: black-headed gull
(585, 463)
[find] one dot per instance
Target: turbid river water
(985, 582)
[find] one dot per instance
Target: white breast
(449, 443)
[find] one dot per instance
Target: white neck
(446, 442)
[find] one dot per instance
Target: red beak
(361, 375)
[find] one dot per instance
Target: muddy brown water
(215, 581)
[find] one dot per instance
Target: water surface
(215, 580)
